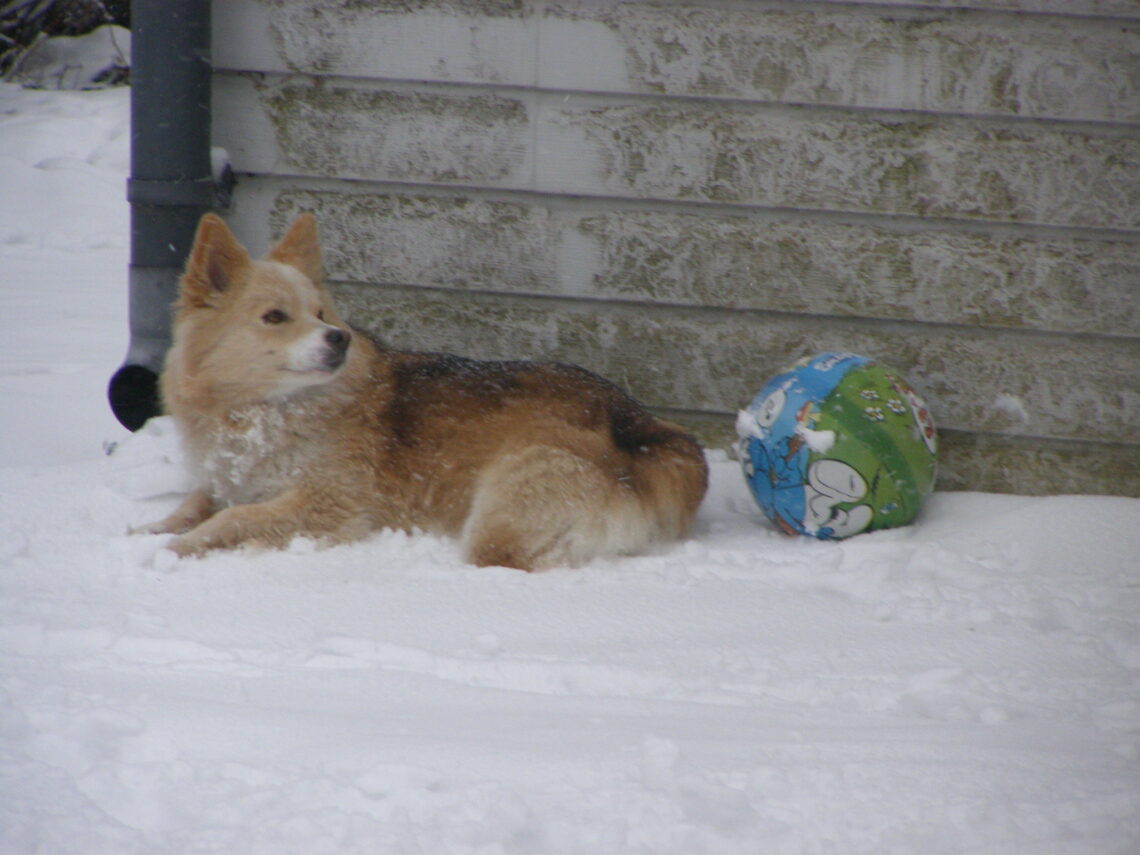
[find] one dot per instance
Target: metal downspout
(170, 186)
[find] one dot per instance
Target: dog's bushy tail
(583, 495)
(669, 471)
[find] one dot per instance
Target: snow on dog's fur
(295, 424)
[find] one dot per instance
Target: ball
(836, 445)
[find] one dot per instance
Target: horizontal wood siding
(716, 258)
(914, 56)
(677, 150)
(686, 196)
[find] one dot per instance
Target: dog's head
(257, 330)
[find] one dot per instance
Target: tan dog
(295, 424)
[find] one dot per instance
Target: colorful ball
(838, 445)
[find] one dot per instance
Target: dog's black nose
(337, 339)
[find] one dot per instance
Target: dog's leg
(194, 509)
(549, 507)
(272, 524)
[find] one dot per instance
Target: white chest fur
(255, 455)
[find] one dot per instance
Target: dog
(294, 423)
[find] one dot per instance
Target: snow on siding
(686, 196)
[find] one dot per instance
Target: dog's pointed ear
(301, 248)
(217, 261)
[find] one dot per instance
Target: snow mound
(94, 60)
(968, 684)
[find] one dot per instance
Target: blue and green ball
(837, 445)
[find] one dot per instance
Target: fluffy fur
(294, 423)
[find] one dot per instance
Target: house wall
(687, 196)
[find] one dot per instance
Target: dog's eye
(321, 315)
(274, 316)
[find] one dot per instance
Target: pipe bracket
(173, 193)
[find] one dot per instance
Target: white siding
(686, 196)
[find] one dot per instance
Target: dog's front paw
(149, 528)
(187, 546)
(193, 510)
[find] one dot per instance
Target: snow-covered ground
(967, 685)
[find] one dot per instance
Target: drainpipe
(170, 187)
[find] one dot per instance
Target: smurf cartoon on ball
(837, 445)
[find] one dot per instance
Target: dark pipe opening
(133, 393)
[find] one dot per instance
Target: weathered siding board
(687, 195)
(793, 157)
(1128, 9)
(971, 461)
(806, 53)
(774, 263)
(707, 357)
(946, 62)
(353, 129)
(471, 42)
(677, 150)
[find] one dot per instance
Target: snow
(88, 61)
(967, 685)
(819, 441)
